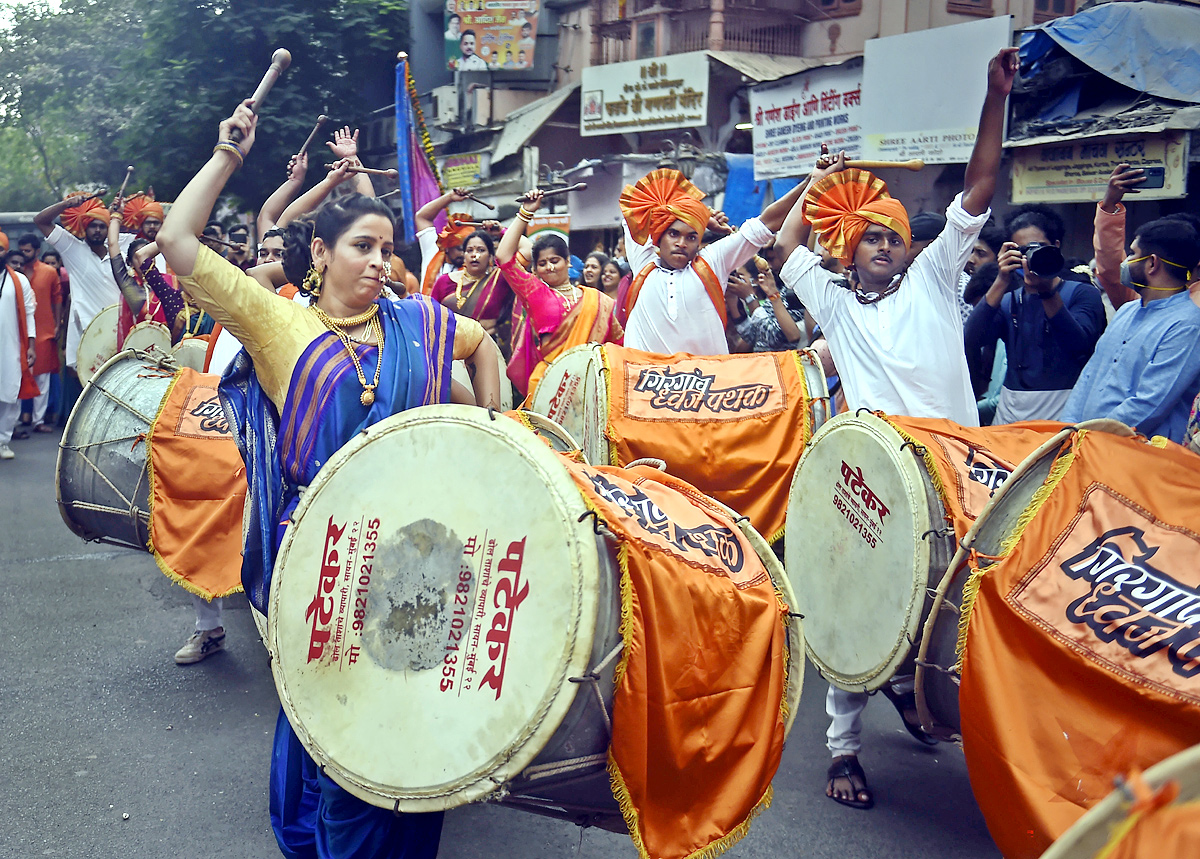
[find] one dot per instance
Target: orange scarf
(703, 270)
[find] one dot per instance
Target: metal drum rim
(551, 711)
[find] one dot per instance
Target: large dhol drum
(462, 374)
(938, 663)
(149, 336)
(440, 645)
(98, 343)
(1092, 832)
(102, 478)
(865, 544)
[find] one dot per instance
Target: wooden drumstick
(483, 203)
(217, 241)
(280, 60)
(125, 181)
(555, 192)
(912, 164)
(321, 120)
(370, 171)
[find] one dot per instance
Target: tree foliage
(97, 84)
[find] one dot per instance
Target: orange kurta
(48, 291)
(1082, 648)
(732, 425)
(197, 489)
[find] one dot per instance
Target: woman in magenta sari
(307, 380)
(479, 290)
(555, 314)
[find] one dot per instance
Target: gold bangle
(527, 218)
(523, 211)
(232, 149)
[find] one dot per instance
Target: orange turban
(842, 205)
(3, 241)
(659, 200)
(454, 233)
(75, 219)
(138, 209)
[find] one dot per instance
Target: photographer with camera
(1048, 319)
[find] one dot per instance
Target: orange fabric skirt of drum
(1082, 649)
(699, 707)
(737, 424)
(197, 489)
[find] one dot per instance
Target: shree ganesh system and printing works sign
(645, 95)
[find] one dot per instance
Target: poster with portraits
(490, 34)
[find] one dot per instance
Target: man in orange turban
(81, 243)
(441, 252)
(143, 215)
(676, 302)
(895, 334)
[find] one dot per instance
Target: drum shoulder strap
(707, 276)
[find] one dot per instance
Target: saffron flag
(1081, 658)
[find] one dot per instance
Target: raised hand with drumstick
(895, 333)
(344, 147)
(272, 209)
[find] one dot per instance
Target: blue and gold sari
(311, 816)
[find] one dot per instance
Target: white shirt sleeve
(427, 240)
(732, 251)
(638, 256)
(942, 261)
(812, 284)
(30, 305)
(68, 247)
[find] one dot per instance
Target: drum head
(98, 343)
(190, 353)
(461, 374)
(550, 432)
(859, 505)
(423, 630)
(1091, 832)
(574, 394)
(149, 336)
(818, 388)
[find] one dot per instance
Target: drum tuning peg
(491, 413)
(796, 614)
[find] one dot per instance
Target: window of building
(647, 42)
(1047, 10)
(820, 9)
(970, 7)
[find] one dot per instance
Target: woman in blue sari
(306, 382)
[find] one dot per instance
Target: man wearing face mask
(1145, 371)
(1049, 323)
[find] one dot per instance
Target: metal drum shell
(110, 421)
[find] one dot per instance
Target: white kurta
(12, 349)
(93, 286)
(903, 355)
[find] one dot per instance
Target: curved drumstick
(578, 186)
(912, 164)
(280, 60)
(483, 203)
(321, 120)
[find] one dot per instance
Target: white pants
(208, 614)
(10, 413)
(844, 709)
(41, 400)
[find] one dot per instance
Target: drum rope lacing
(592, 677)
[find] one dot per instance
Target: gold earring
(313, 281)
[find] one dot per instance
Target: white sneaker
(6, 452)
(201, 645)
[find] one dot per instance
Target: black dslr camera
(1043, 260)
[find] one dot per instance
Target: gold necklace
(458, 288)
(371, 317)
(567, 298)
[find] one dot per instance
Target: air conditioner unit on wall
(445, 105)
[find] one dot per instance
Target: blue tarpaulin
(743, 196)
(1148, 47)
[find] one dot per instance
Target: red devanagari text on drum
(320, 610)
(363, 585)
(510, 593)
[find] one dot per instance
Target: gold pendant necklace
(458, 288)
(371, 317)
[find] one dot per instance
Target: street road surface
(98, 722)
